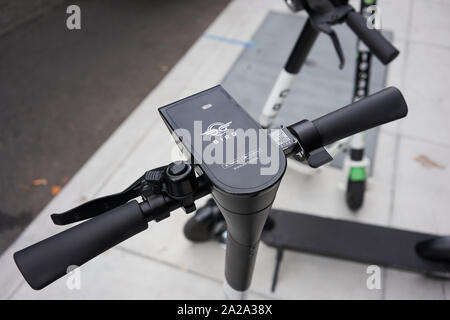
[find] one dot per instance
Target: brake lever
(323, 23)
(326, 28)
(148, 184)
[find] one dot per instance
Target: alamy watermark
(373, 282)
(373, 17)
(73, 281)
(73, 21)
(232, 148)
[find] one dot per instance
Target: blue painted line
(229, 40)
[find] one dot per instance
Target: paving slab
(427, 93)
(430, 23)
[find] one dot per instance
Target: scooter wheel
(436, 249)
(197, 231)
(207, 224)
(355, 194)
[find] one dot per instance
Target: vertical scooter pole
(357, 165)
(245, 217)
(285, 79)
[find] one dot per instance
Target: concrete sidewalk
(406, 192)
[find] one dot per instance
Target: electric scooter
(322, 15)
(233, 158)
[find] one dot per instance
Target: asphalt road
(62, 93)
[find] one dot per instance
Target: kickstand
(278, 259)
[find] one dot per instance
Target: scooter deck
(349, 240)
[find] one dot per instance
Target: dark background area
(62, 92)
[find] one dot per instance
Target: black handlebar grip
(372, 38)
(48, 260)
(382, 107)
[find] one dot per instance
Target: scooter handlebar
(382, 107)
(49, 259)
(372, 38)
